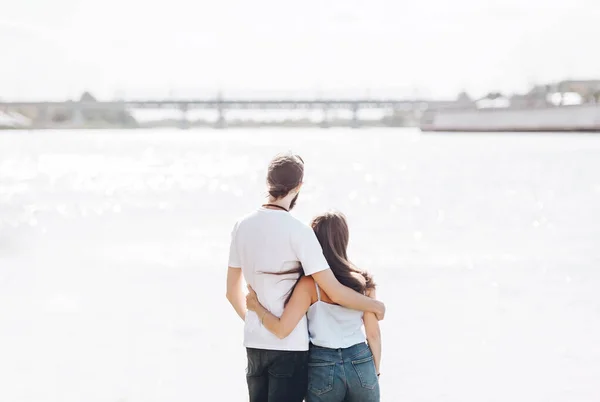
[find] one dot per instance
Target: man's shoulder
(298, 226)
(249, 216)
(297, 221)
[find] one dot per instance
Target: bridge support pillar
(355, 117)
(41, 118)
(325, 121)
(184, 123)
(221, 120)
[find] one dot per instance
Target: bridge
(41, 112)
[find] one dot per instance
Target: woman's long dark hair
(332, 232)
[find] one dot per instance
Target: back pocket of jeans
(320, 377)
(283, 367)
(365, 369)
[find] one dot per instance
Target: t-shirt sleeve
(309, 251)
(234, 258)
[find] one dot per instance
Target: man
(271, 240)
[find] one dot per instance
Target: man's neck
(284, 202)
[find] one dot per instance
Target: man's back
(265, 242)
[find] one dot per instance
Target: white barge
(558, 118)
(543, 108)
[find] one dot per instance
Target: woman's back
(340, 364)
(333, 326)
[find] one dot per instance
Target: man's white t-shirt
(268, 241)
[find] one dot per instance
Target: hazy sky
(59, 48)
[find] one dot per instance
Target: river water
(113, 250)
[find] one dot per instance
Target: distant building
(73, 117)
(493, 100)
(589, 90)
(463, 100)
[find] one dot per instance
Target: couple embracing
(311, 317)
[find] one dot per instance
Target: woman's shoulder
(307, 284)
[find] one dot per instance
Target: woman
(342, 367)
